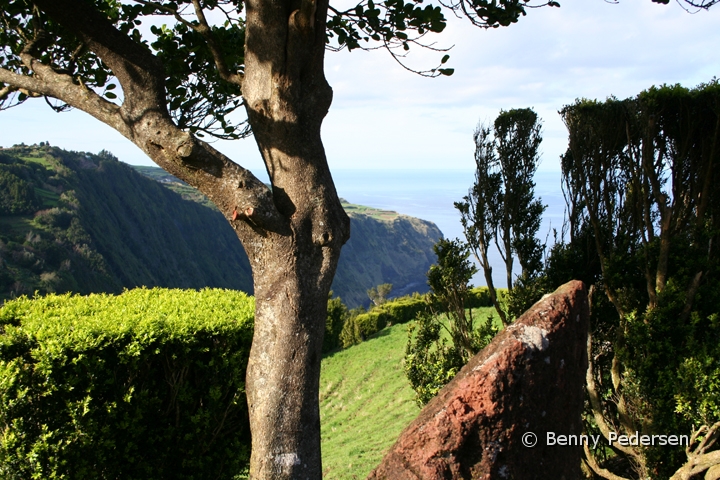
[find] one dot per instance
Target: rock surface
(530, 379)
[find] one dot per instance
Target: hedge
(145, 385)
(399, 310)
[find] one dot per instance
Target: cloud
(385, 117)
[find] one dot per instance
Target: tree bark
(287, 97)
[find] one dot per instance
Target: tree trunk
(287, 97)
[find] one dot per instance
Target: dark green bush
(337, 315)
(145, 385)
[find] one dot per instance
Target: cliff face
(397, 250)
(86, 223)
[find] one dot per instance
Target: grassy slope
(366, 401)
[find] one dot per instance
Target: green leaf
(446, 71)
(445, 59)
(110, 95)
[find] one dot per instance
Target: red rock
(529, 379)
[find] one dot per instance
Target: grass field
(366, 402)
(46, 162)
(375, 213)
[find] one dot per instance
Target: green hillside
(80, 222)
(87, 223)
(365, 402)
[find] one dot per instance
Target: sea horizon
(429, 194)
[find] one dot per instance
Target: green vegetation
(501, 207)
(430, 362)
(147, 384)
(376, 213)
(76, 222)
(337, 316)
(379, 295)
(365, 402)
(89, 223)
(361, 324)
(639, 176)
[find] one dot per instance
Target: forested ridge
(81, 222)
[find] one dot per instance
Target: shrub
(145, 385)
(479, 297)
(337, 315)
(401, 310)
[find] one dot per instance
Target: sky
(383, 116)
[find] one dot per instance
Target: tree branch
(204, 29)
(699, 460)
(7, 89)
(604, 473)
(140, 73)
(596, 406)
(50, 83)
(144, 119)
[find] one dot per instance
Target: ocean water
(430, 194)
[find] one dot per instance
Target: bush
(145, 385)
(337, 315)
(479, 297)
(401, 310)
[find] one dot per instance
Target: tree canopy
(638, 177)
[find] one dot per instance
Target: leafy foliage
(501, 206)
(378, 295)
(449, 282)
(643, 228)
(430, 362)
(337, 315)
(16, 195)
(147, 384)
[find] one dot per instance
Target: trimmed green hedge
(399, 310)
(145, 385)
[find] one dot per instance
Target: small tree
(429, 361)
(378, 295)
(501, 205)
(337, 315)
(449, 284)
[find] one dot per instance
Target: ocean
(430, 194)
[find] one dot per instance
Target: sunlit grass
(366, 401)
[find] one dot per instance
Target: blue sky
(385, 117)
